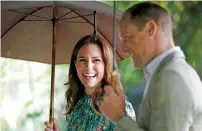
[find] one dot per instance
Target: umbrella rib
(36, 20)
(28, 14)
(74, 21)
(75, 16)
(98, 31)
(43, 14)
(19, 21)
(65, 14)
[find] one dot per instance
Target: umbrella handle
(114, 80)
(50, 117)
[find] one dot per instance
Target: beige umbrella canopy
(27, 28)
(46, 32)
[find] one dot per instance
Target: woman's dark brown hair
(76, 90)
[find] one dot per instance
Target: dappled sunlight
(25, 91)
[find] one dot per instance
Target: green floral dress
(84, 118)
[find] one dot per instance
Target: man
(173, 95)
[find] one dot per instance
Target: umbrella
(27, 28)
(35, 30)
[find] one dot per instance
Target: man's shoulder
(178, 75)
(178, 66)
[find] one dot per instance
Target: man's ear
(151, 27)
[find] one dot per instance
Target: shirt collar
(151, 67)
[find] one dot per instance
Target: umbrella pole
(51, 115)
(95, 24)
(114, 73)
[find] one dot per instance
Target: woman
(90, 68)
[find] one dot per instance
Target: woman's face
(90, 66)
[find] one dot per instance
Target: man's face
(137, 41)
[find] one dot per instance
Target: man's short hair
(141, 13)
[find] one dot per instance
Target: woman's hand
(49, 127)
